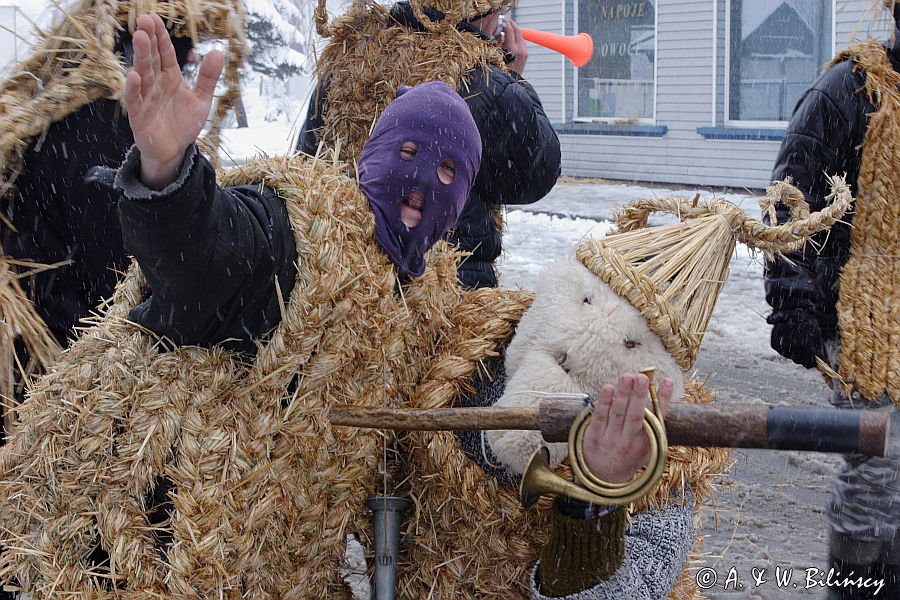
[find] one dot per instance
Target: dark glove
(796, 335)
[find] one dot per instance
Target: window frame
(576, 118)
(752, 123)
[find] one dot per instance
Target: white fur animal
(577, 336)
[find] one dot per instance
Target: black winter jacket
(210, 255)
(825, 136)
(58, 216)
(520, 159)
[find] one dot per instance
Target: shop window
(619, 83)
(775, 51)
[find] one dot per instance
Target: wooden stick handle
(702, 425)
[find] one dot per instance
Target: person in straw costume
(59, 117)
(377, 49)
(836, 304)
(261, 492)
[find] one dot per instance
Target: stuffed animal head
(577, 336)
(590, 331)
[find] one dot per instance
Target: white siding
(685, 99)
(545, 66)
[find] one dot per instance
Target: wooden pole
(702, 425)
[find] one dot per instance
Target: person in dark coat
(521, 159)
(57, 214)
(831, 132)
(178, 222)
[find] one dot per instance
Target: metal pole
(386, 516)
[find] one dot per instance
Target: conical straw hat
(673, 274)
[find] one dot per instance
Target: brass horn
(539, 479)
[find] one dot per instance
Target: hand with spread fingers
(615, 444)
(166, 115)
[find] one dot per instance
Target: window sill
(742, 133)
(626, 129)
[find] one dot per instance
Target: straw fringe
(869, 296)
(673, 274)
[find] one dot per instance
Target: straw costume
(374, 49)
(60, 117)
(836, 305)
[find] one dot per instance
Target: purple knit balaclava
(437, 120)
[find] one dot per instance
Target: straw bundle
(75, 63)
(369, 56)
(869, 296)
(18, 320)
(673, 274)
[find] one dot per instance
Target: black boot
(857, 560)
(891, 576)
(844, 570)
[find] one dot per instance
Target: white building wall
(688, 96)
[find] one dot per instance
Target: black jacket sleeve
(520, 160)
(823, 138)
(308, 140)
(212, 256)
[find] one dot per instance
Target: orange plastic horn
(577, 48)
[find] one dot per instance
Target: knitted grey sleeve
(657, 546)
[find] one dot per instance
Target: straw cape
(265, 490)
(369, 56)
(868, 305)
(73, 64)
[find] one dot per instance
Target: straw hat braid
(673, 274)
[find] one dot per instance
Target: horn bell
(539, 479)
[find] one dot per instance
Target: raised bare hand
(166, 115)
(615, 445)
